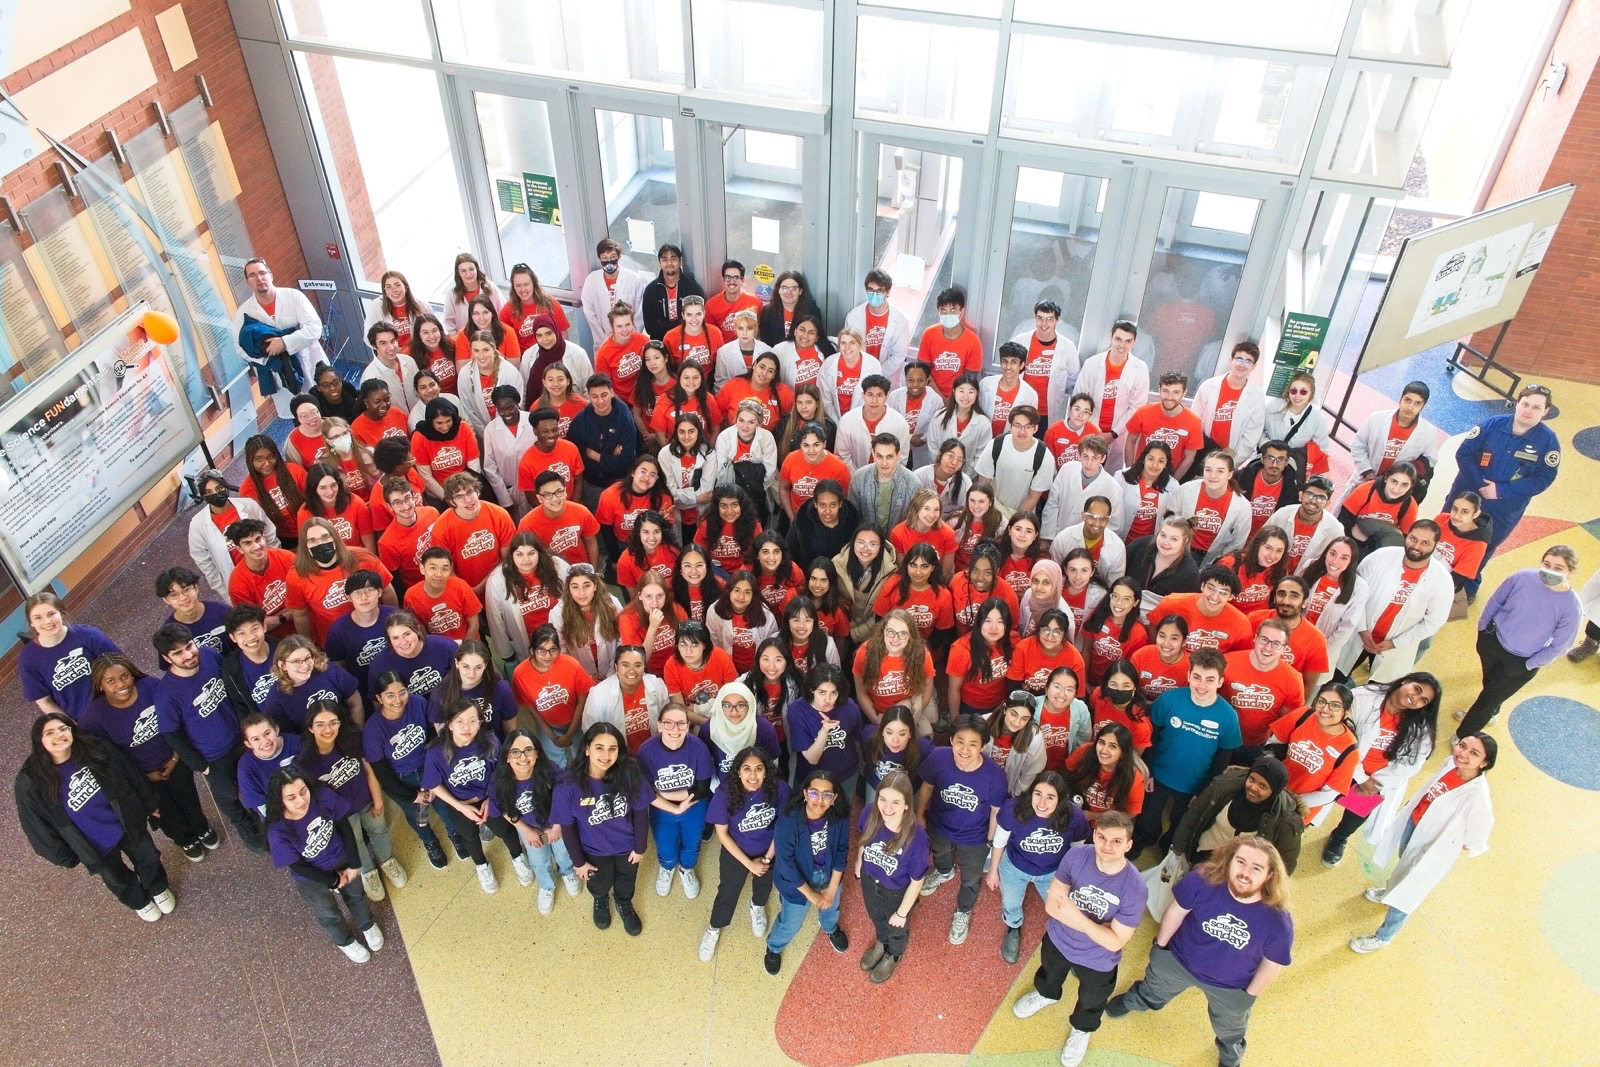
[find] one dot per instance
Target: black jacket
(1288, 489)
(809, 539)
(654, 304)
(1183, 578)
(770, 323)
(1283, 824)
(52, 833)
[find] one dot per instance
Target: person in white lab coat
(1450, 814)
(1052, 363)
(1398, 435)
(1075, 482)
(1232, 408)
(287, 309)
(208, 547)
(506, 438)
(1130, 375)
(1424, 604)
(603, 289)
(888, 332)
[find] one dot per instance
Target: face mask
(949, 322)
(324, 553)
(877, 300)
(340, 443)
(1551, 578)
(1119, 697)
(609, 268)
(220, 500)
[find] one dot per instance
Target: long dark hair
(40, 770)
(737, 797)
(635, 545)
(1249, 557)
(657, 498)
(292, 497)
(1122, 667)
(624, 777)
(1347, 581)
(835, 597)
(504, 782)
(756, 682)
(786, 567)
(1079, 779)
(677, 396)
(839, 809)
(481, 743)
(702, 445)
(874, 748)
(1135, 470)
(450, 689)
(757, 611)
(1102, 611)
(497, 328)
(282, 777)
(927, 554)
(950, 404)
(518, 587)
(853, 566)
(314, 504)
(1416, 727)
(710, 588)
(744, 528)
(983, 667)
(347, 742)
(644, 387)
(816, 651)
(1061, 818)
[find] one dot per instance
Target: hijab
(546, 357)
(436, 407)
(1245, 815)
(1051, 569)
(731, 738)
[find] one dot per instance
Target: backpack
(1039, 454)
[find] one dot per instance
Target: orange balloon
(160, 327)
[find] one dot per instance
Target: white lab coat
(1460, 819)
(1113, 553)
(599, 662)
(679, 479)
(919, 455)
(209, 549)
(1338, 621)
(989, 396)
(1424, 612)
(508, 635)
(1316, 427)
(575, 358)
(1590, 597)
(295, 312)
(828, 382)
(402, 385)
(455, 307)
(1392, 777)
(605, 703)
(1064, 372)
(1133, 389)
(1249, 415)
(473, 409)
(503, 449)
(1125, 502)
(1328, 529)
(975, 438)
(896, 346)
(730, 361)
(597, 301)
(1068, 493)
(763, 450)
(853, 444)
(1235, 529)
(1366, 447)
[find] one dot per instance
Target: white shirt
(1113, 562)
(575, 358)
(209, 548)
(402, 384)
(1248, 417)
(730, 361)
(1064, 371)
(1133, 389)
(1017, 472)
(1327, 530)
(1068, 493)
(294, 312)
(828, 382)
(853, 441)
(503, 449)
(597, 300)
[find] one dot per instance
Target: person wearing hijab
(442, 445)
(546, 355)
(734, 726)
(1045, 583)
(1243, 800)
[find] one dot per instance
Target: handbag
(1362, 804)
(1458, 606)
(1159, 880)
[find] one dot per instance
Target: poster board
(1462, 277)
(82, 445)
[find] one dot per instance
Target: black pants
(1147, 827)
(948, 855)
(882, 903)
(324, 904)
(614, 875)
(508, 836)
(181, 818)
(1503, 674)
(1591, 631)
(222, 778)
(135, 886)
(1348, 825)
(463, 832)
(731, 875)
(1094, 987)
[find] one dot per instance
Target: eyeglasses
(466, 494)
(1299, 392)
(820, 794)
(549, 494)
(674, 725)
(299, 661)
(522, 266)
(547, 650)
(524, 752)
(1310, 497)
(730, 705)
(1542, 390)
(1267, 642)
(1324, 704)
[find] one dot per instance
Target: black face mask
(324, 553)
(1119, 697)
(217, 500)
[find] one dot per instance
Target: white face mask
(340, 443)
(949, 322)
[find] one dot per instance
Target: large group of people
(732, 576)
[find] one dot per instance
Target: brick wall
(1558, 141)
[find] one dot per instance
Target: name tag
(1527, 455)
(1208, 724)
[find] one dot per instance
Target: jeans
(138, 885)
(416, 814)
(730, 884)
(1014, 883)
(552, 749)
(372, 838)
(1394, 918)
(1147, 827)
(1094, 987)
(677, 837)
(792, 914)
(1503, 674)
(947, 855)
(1229, 1009)
(325, 906)
(539, 857)
(882, 903)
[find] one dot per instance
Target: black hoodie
(808, 538)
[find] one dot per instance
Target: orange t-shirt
(563, 534)
(1209, 514)
(222, 520)
(1144, 516)
(1102, 711)
(1062, 440)
(444, 458)
(1322, 594)
(441, 362)
(1364, 503)
(401, 547)
(877, 329)
(1260, 697)
(1377, 757)
(932, 607)
(1222, 417)
(536, 607)
(776, 400)
(1308, 648)
(697, 687)
(1393, 442)
(1315, 760)
(720, 312)
(727, 553)
(521, 325)
(1036, 369)
(621, 510)
(1255, 591)
(1031, 666)
(1004, 400)
(950, 357)
(636, 717)
(354, 521)
(1106, 645)
(1452, 780)
(381, 515)
(1097, 797)
(776, 593)
(267, 590)
(555, 693)
(475, 544)
(890, 687)
(630, 570)
(1156, 676)
(847, 382)
(564, 459)
(1106, 413)
(941, 537)
(631, 630)
(446, 614)
(666, 415)
(286, 528)
(1263, 500)
(1463, 556)
(311, 449)
(511, 348)
(370, 431)
(975, 691)
(701, 349)
(1227, 631)
(322, 592)
(622, 362)
(1402, 593)
(966, 600)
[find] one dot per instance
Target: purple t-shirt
(255, 773)
(667, 770)
(1222, 941)
(135, 729)
(959, 808)
(62, 673)
(258, 677)
(198, 705)
(842, 754)
(766, 740)
(1035, 847)
(1103, 898)
(289, 709)
(355, 646)
(402, 742)
(523, 805)
(467, 775)
(496, 706)
(604, 820)
(752, 826)
(894, 871)
(887, 761)
(342, 774)
(88, 806)
(313, 839)
(208, 629)
(425, 671)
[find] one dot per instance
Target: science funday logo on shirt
(410, 738)
(82, 787)
(423, 680)
(819, 841)
(72, 668)
(1307, 754)
(759, 816)
(1250, 697)
(145, 727)
(263, 687)
(334, 598)
(318, 833)
(608, 807)
(370, 650)
(1094, 901)
(479, 542)
(836, 738)
(210, 698)
(273, 596)
(674, 776)
(875, 855)
(342, 772)
(958, 795)
(470, 771)
(1042, 842)
(1229, 929)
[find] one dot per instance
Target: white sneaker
(935, 880)
(1375, 894)
(758, 920)
(356, 952)
(1075, 1049)
(663, 881)
(691, 882)
(960, 923)
(486, 878)
(1030, 1004)
(149, 913)
(547, 900)
(373, 937)
(524, 872)
(372, 882)
(573, 884)
(1365, 945)
(708, 943)
(165, 901)
(394, 872)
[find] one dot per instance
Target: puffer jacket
(1283, 824)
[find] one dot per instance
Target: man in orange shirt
(1168, 422)
(621, 356)
(1213, 622)
(475, 531)
(262, 576)
(567, 528)
(722, 307)
(1261, 687)
(446, 605)
(550, 452)
(1308, 648)
(393, 459)
(409, 535)
(951, 348)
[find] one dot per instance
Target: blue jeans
(1394, 918)
(539, 858)
(792, 915)
(1014, 884)
(551, 749)
(677, 837)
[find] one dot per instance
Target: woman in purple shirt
(458, 768)
(394, 742)
(123, 711)
(825, 728)
(308, 831)
(744, 812)
(962, 790)
(474, 678)
(519, 815)
(424, 659)
(677, 767)
(304, 674)
(54, 667)
(892, 744)
(81, 800)
(333, 754)
(893, 861)
(735, 725)
(1032, 833)
(600, 805)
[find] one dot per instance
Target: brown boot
(884, 969)
(870, 958)
(1584, 650)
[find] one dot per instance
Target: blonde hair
(288, 647)
(1215, 870)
